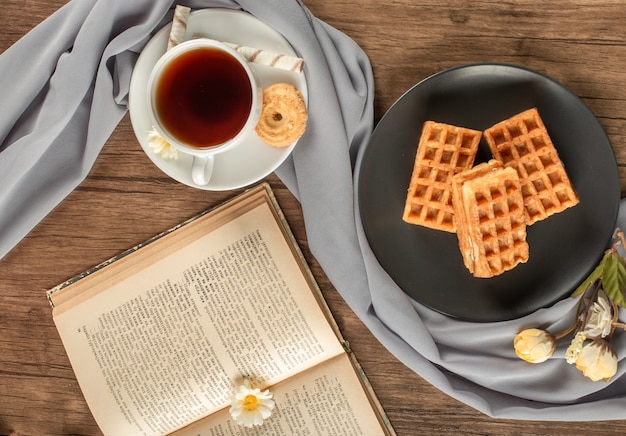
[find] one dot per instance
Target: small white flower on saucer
(160, 146)
(249, 407)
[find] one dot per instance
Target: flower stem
(567, 331)
(620, 325)
(575, 324)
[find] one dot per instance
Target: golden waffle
(491, 228)
(443, 151)
(522, 142)
(461, 219)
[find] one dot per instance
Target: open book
(161, 336)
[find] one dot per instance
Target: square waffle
(491, 227)
(443, 151)
(522, 142)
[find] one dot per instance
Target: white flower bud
(534, 345)
(597, 360)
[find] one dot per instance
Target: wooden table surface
(126, 199)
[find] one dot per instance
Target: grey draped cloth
(64, 89)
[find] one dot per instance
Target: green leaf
(614, 277)
(595, 274)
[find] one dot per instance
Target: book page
(168, 343)
(324, 400)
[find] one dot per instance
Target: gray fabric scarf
(64, 89)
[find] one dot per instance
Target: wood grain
(126, 199)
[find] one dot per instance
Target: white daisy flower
(249, 407)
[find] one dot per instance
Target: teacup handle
(201, 169)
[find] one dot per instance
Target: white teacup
(203, 99)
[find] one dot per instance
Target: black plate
(427, 264)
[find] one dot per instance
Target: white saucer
(250, 161)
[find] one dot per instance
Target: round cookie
(283, 116)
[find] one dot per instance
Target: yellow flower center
(250, 402)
